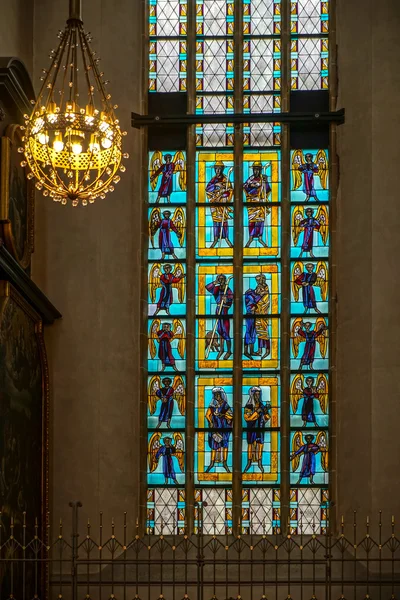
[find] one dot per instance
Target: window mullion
(238, 273)
(285, 266)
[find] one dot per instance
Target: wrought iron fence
(361, 561)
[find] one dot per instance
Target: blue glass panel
(214, 343)
(167, 288)
(166, 458)
(167, 177)
(309, 287)
(213, 402)
(310, 231)
(263, 393)
(167, 344)
(213, 460)
(167, 232)
(166, 401)
(309, 457)
(309, 395)
(260, 457)
(215, 290)
(309, 175)
(261, 287)
(264, 334)
(309, 344)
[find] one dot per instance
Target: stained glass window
(238, 271)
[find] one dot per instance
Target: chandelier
(73, 140)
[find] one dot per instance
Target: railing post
(200, 550)
(74, 557)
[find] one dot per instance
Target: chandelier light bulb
(72, 139)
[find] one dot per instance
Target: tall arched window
(238, 274)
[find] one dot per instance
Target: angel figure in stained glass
(219, 193)
(165, 225)
(223, 296)
(304, 168)
(308, 393)
(257, 303)
(256, 415)
(172, 277)
(167, 170)
(308, 448)
(306, 280)
(164, 334)
(220, 420)
(309, 224)
(167, 449)
(303, 332)
(168, 392)
(257, 189)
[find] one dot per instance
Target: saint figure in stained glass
(308, 448)
(303, 332)
(308, 394)
(219, 192)
(220, 421)
(257, 303)
(167, 170)
(305, 167)
(223, 297)
(167, 451)
(172, 277)
(164, 334)
(165, 225)
(167, 392)
(257, 189)
(309, 225)
(306, 280)
(256, 415)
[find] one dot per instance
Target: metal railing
(361, 561)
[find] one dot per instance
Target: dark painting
(21, 425)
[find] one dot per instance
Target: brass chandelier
(72, 139)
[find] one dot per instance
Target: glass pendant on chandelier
(72, 139)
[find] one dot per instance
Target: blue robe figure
(166, 395)
(167, 452)
(223, 297)
(308, 170)
(309, 225)
(256, 415)
(220, 420)
(309, 450)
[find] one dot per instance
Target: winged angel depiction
(304, 278)
(167, 170)
(309, 224)
(308, 448)
(166, 450)
(173, 277)
(168, 392)
(303, 332)
(163, 223)
(164, 334)
(306, 390)
(304, 168)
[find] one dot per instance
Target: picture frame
(17, 197)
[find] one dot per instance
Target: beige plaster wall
(16, 37)
(87, 262)
(367, 257)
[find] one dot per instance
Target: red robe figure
(309, 225)
(310, 337)
(165, 336)
(257, 189)
(166, 296)
(166, 395)
(307, 280)
(167, 170)
(309, 450)
(308, 170)
(223, 296)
